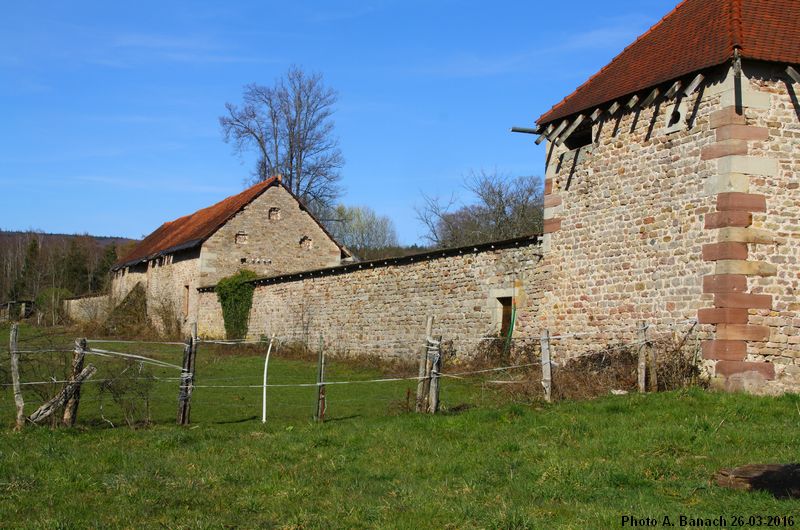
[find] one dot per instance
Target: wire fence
(139, 382)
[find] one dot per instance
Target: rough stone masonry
(658, 218)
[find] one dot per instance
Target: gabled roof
(191, 230)
(696, 35)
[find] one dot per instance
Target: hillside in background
(50, 267)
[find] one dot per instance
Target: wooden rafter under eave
(791, 72)
(651, 98)
(694, 85)
(676, 86)
(553, 135)
(574, 125)
(544, 134)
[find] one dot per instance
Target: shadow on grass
(458, 409)
(343, 418)
(242, 420)
(781, 481)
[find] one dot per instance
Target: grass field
(495, 465)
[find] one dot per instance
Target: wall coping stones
(388, 262)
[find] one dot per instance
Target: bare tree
(363, 231)
(290, 126)
(505, 208)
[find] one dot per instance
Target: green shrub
(235, 295)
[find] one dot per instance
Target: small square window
(241, 238)
(274, 214)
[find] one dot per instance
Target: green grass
(497, 465)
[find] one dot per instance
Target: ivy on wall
(235, 295)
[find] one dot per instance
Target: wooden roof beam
(544, 134)
(553, 135)
(632, 102)
(669, 94)
(614, 108)
(699, 78)
(651, 98)
(594, 116)
(571, 129)
(791, 72)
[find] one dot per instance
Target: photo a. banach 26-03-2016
(720, 521)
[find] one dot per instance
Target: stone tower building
(265, 229)
(672, 190)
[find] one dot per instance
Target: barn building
(265, 229)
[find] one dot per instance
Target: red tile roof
(697, 34)
(191, 230)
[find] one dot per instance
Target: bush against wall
(235, 295)
(129, 318)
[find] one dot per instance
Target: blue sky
(110, 109)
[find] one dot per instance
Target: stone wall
(624, 220)
(664, 224)
(380, 308)
(762, 234)
(171, 289)
(88, 308)
(683, 213)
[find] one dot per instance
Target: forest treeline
(47, 268)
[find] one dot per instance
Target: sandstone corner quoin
(671, 196)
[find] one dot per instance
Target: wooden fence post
(71, 406)
(642, 364)
(436, 368)
(319, 412)
(264, 390)
(652, 378)
(51, 406)
(423, 362)
(187, 378)
(547, 375)
(20, 403)
(183, 392)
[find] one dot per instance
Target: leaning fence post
(423, 361)
(51, 406)
(642, 364)
(547, 376)
(71, 407)
(12, 348)
(319, 412)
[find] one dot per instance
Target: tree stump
(781, 480)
